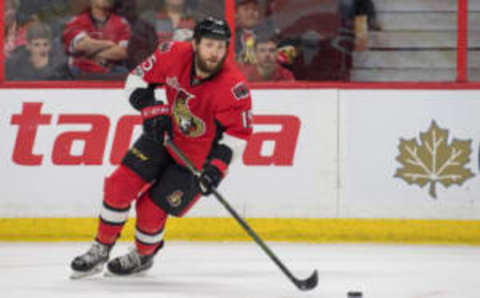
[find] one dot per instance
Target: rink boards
(322, 165)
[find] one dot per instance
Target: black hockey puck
(354, 294)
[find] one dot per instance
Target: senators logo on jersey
(175, 199)
(189, 124)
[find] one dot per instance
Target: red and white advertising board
(59, 144)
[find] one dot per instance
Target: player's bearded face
(210, 55)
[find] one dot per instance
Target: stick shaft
(232, 211)
(254, 235)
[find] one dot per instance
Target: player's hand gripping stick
(157, 121)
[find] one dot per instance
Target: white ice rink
(193, 269)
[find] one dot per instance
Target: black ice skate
(130, 263)
(91, 262)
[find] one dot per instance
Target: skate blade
(79, 274)
(109, 273)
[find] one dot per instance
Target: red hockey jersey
(197, 106)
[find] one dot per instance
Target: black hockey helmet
(212, 27)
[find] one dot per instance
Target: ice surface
(216, 269)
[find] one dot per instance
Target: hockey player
(207, 115)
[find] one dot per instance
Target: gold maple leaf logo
(434, 160)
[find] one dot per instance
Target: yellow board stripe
(227, 229)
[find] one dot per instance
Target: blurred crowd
(275, 40)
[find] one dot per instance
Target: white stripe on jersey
(133, 82)
(73, 44)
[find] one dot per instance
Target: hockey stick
(302, 284)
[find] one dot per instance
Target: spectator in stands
(173, 20)
(350, 9)
(267, 66)
(10, 29)
(313, 42)
(35, 60)
(143, 40)
(248, 23)
(97, 40)
(15, 27)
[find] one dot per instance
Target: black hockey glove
(211, 177)
(215, 169)
(143, 97)
(157, 121)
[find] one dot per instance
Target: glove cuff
(154, 111)
(220, 165)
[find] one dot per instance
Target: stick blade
(309, 283)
